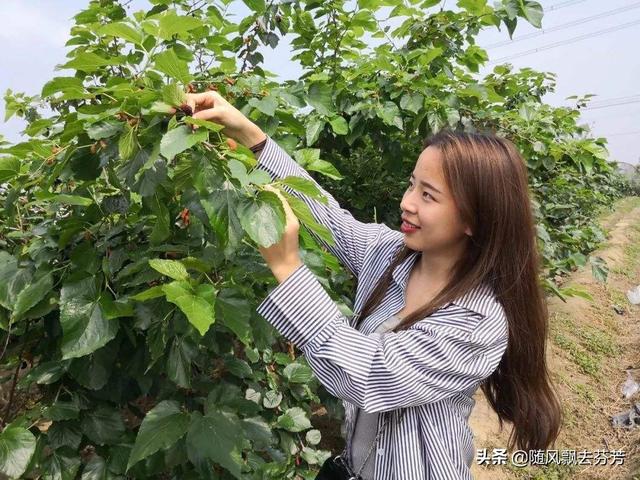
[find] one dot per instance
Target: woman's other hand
(214, 107)
(283, 258)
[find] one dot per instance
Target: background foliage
(129, 275)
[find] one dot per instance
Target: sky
(589, 44)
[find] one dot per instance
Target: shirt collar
(478, 299)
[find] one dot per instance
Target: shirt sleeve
(381, 372)
(352, 237)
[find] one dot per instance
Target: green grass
(585, 345)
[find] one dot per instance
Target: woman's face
(428, 204)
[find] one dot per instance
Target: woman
(450, 303)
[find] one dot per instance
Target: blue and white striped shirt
(430, 370)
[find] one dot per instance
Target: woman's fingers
(200, 101)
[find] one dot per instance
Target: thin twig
(15, 376)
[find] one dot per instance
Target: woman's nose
(407, 204)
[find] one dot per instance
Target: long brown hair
(488, 179)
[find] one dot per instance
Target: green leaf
(89, 62)
(180, 139)
(221, 208)
(63, 464)
(64, 198)
(170, 268)
(257, 431)
(179, 361)
(214, 127)
(298, 373)
(306, 218)
(294, 420)
(103, 425)
(390, 114)
(121, 30)
(320, 97)
(255, 5)
(96, 469)
(217, 437)
(412, 101)
(61, 410)
(533, 12)
(12, 279)
(148, 294)
(17, 446)
(339, 125)
(70, 87)
(305, 186)
(127, 144)
(162, 427)
(85, 327)
(263, 219)
(174, 95)
(313, 437)
(266, 105)
(234, 312)
(198, 310)
(172, 24)
(9, 168)
(104, 129)
(474, 7)
(272, 399)
(32, 295)
(314, 128)
(168, 63)
(325, 168)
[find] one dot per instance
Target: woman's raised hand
(214, 107)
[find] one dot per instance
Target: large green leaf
(84, 325)
(180, 139)
(181, 355)
(263, 219)
(121, 30)
(32, 295)
(90, 62)
(70, 87)
(533, 12)
(320, 97)
(12, 280)
(9, 168)
(199, 309)
(169, 63)
(172, 24)
(17, 445)
(216, 436)
(221, 207)
(298, 373)
(62, 464)
(294, 420)
(170, 268)
(103, 425)
(162, 427)
(234, 312)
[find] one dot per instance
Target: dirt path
(591, 345)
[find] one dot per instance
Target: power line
(563, 26)
(566, 42)
(635, 132)
(560, 5)
(614, 102)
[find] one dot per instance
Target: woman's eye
(426, 193)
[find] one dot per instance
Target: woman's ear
(467, 231)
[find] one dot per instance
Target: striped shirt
(430, 370)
